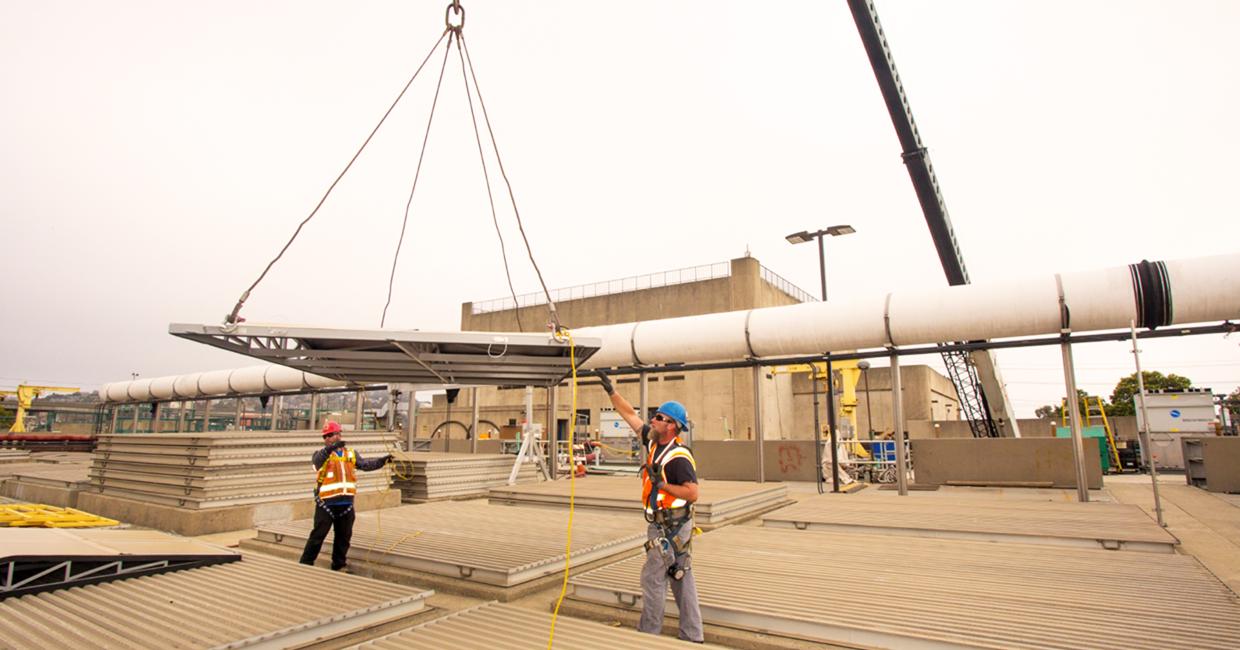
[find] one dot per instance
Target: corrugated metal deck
(494, 626)
(915, 592)
(259, 602)
(719, 503)
(1109, 525)
(475, 541)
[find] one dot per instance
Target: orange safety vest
(674, 450)
(338, 475)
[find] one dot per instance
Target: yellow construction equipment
(26, 395)
(850, 376)
(1092, 407)
(36, 515)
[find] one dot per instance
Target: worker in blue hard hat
(669, 490)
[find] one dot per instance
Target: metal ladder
(1090, 411)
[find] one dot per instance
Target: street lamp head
(863, 364)
(800, 237)
(842, 229)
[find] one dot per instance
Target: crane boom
(975, 375)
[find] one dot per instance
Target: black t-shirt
(678, 470)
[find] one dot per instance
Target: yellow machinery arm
(26, 396)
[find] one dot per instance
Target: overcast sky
(156, 155)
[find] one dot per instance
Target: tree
(1055, 412)
(1121, 397)
(1047, 412)
(1232, 404)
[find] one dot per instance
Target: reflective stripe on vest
(338, 475)
(673, 450)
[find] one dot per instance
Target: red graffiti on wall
(789, 458)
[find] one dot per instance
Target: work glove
(339, 444)
(388, 458)
(605, 382)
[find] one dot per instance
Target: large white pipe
(1154, 294)
(216, 383)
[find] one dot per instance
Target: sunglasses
(328, 435)
(659, 417)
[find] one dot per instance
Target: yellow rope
(626, 452)
(572, 480)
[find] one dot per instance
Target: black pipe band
(1151, 288)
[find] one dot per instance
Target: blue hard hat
(676, 411)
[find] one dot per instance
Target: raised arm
(623, 407)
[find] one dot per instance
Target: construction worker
(334, 492)
(669, 490)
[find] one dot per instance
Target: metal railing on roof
(609, 287)
(779, 282)
(637, 283)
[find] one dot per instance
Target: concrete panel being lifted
(1087, 525)
(913, 592)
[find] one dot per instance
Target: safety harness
(667, 512)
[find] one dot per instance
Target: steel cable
(555, 320)
(516, 309)
(416, 175)
(232, 317)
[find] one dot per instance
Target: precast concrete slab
(144, 511)
(1092, 525)
(9, 455)
(221, 469)
(258, 602)
(719, 502)
(883, 591)
(495, 626)
(474, 541)
(430, 476)
(51, 484)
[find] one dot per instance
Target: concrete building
(720, 402)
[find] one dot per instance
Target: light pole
(801, 238)
(832, 231)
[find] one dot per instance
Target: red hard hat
(331, 426)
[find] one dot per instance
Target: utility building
(720, 402)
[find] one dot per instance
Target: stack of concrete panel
(435, 476)
(719, 502)
(56, 484)
(880, 591)
(8, 455)
(221, 469)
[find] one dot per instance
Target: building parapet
(655, 280)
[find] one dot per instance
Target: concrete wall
(736, 460)
(1029, 428)
(1003, 460)
(743, 289)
